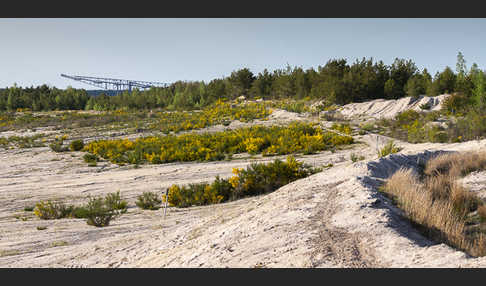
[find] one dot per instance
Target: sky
(37, 51)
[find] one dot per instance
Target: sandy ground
(335, 218)
(382, 108)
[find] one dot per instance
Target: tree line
(337, 82)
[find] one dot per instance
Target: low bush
(368, 127)
(356, 158)
(52, 210)
(98, 213)
(388, 149)
(76, 145)
(114, 202)
(148, 201)
(343, 128)
(58, 144)
(257, 178)
(90, 158)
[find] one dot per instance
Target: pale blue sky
(36, 51)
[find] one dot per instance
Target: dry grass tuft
(456, 164)
(439, 205)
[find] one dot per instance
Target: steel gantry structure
(115, 84)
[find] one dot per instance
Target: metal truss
(115, 84)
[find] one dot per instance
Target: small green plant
(114, 201)
(425, 106)
(356, 158)
(59, 243)
(90, 158)
(41, 227)
(388, 149)
(29, 208)
(98, 213)
(52, 210)
(76, 145)
(80, 212)
(148, 201)
(368, 127)
(57, 145)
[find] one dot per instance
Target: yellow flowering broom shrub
(275, 140)
(219, 113)
(257, 178)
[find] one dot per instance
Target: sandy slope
(335, 218)
(382, 108)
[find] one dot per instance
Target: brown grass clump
(443, 209)
(456, 164)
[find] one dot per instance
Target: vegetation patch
(76, 145)
(355, 158)
(298, 106)
(22, 141)
(219, 113)
(149, 201)
(98, 211)
(256, 179)
(58, 144)
(274, 140)
(441, 208)
(389, 148)
(52, 210)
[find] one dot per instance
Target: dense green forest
(335, 82)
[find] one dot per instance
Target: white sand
(335, 218)
(381, 108)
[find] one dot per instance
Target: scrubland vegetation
(274, 140)
(256, 179)
(219, 113)
(22, 141)
(441, 208)
(98, 211)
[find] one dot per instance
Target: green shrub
(148, 201)
(76, 145)
(435, 134)
(114, 201)
(388, 149)
(258, 178)
(80, 212)
(368, 127)
(343, 128)
(98, 213)
(29, 208)
(456, 104)
(416, 132)
(57, 146)
(90, 158)
(52, 210)
(356, 158)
